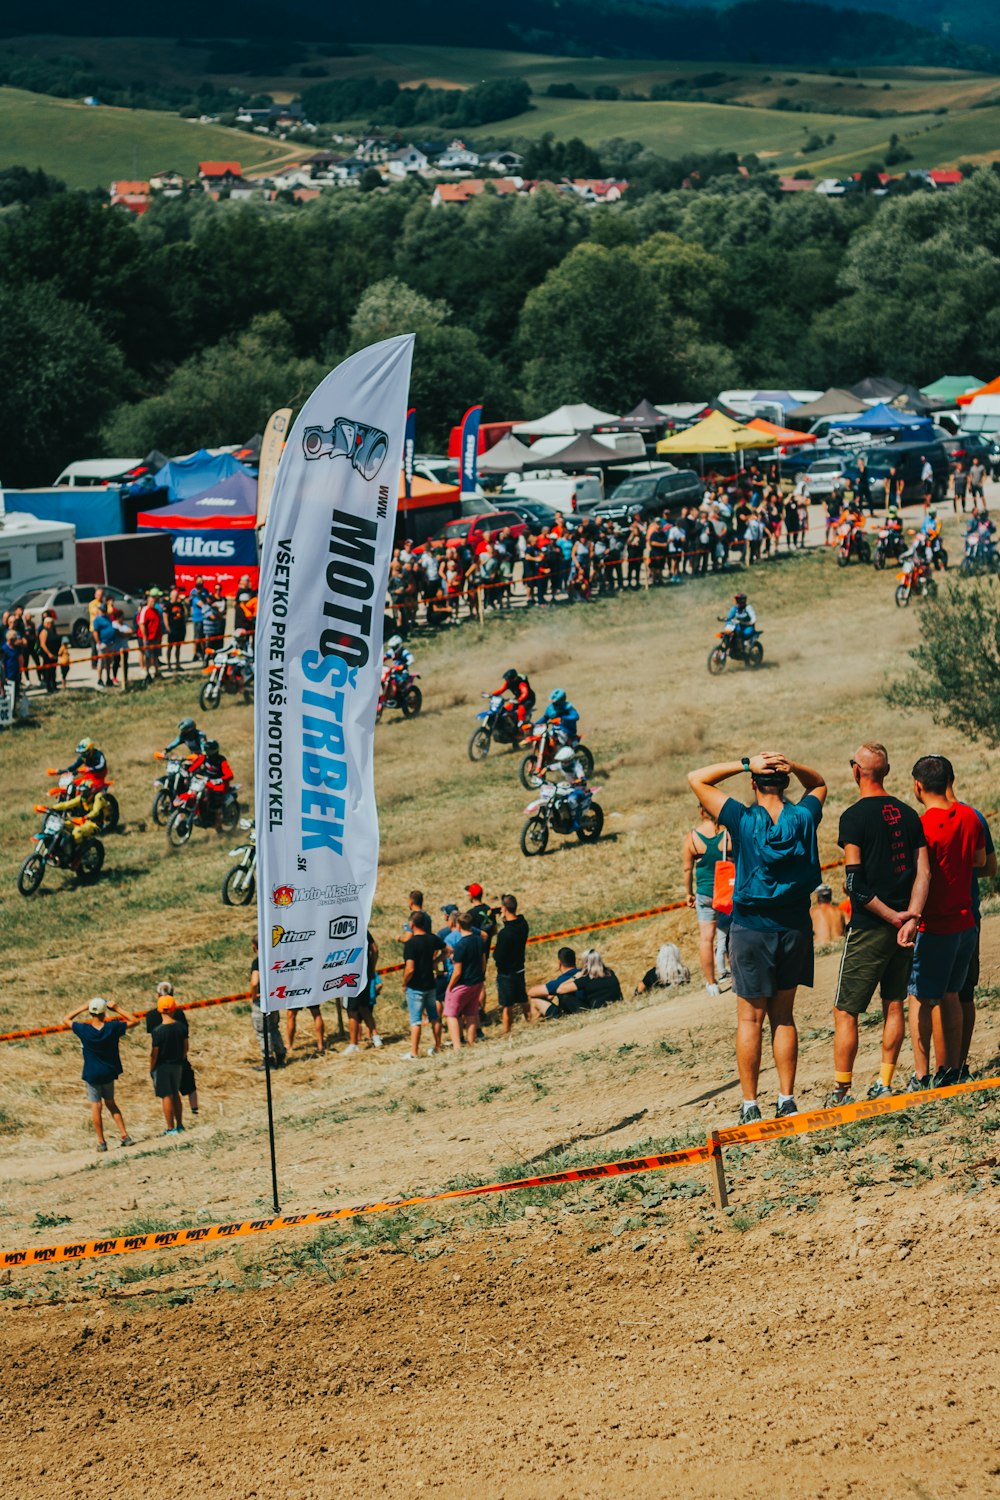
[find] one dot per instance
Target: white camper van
(982, 415)
(34, 555)
(92, 473)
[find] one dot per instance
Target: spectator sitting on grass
(99, 1038)
(591, 988)
(669, 970)
(541, 996)
(828, 921)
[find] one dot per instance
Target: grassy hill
(89, 147)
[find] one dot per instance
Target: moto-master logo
(365, 446)
(323, 895)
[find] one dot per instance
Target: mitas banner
(325, 563)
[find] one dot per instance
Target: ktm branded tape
(18, 1036)
(767, 1130)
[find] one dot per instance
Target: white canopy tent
(565, 421)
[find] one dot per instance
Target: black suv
(908, 459)
(650, 495)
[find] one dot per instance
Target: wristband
(746, 764)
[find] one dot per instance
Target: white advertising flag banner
(327, 548)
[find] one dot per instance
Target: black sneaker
(945, 1077)
(750, 1114)
(917, 1085)
(965, 1074)
(790, 1108)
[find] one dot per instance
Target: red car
(477, 530)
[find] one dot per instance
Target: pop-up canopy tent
(991, 388)
(881, 388)
(579, 453)
(643, 415)
(565, 419)
(785, 437)
(192, 476)
(505, 457)
(835, 402)
(948, 389)
(214, 533)
(715, 434)
(882, 418)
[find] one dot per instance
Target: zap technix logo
(285, 935)
(287, 965)
(322, 895)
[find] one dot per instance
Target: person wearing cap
(99, 1037)
(169, 1042)
(828, 921)
(154, 1017)
(149, 632)
(770, 940)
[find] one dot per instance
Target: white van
(34, 554)
(89, 473)
(565, 492)
(982, 415)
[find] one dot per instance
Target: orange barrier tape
(823, 1119)
(54, 1254)
(18, 1036)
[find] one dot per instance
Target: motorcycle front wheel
(755, 654)
(534, 837)
(530, 778)
(902, 595)
(160, 810)
(179, 829)
(91, 861)
(943, 559)
(29, 876)
(843, 558)
(411, 703)
(864, 551)
(879, 559)
(930, 588)
(591, 824)
(238, 887)
(479, 744)
(209, 695)
(717, 660)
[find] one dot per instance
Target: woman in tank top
(704, 846)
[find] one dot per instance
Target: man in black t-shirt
(888, 877)
(420, 959)
(169, 1049)
(508, 955)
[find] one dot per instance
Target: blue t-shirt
(101, 1063)
(552, 985)
(451, 937)
(777, 864)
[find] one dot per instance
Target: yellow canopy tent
(715, 434)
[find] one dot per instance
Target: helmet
(557, 695)
(932, 515)
(564, 757)
(186, 726)
(84, 746)
(394, 642)
(893, 511)
(740, 599)
(511, 676)
(211, 747)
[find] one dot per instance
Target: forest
(191, 324)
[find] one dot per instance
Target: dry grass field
(831, 1334)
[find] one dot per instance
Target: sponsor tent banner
(468, 450)
(272, 446)
(325, 563)
(212, 534)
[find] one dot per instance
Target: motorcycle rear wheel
(114, 812)
(591, 824)
(717, 660)
(530, 778)
(878, 561)
(160, 810)
(209, 695)
(534, 837)
(411, 703)
(930, 588)
(179, 829)
(238, 887)
(29, 876)
(586, 760)
(230, 815)
(479, 743)
(843, 558)
(902, 595)
(91, 861)
(864, 551)
(755, 655)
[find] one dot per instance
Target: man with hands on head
(887, 879)
(771, 939)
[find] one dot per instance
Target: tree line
(190, 324)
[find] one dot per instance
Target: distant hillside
(782, 31)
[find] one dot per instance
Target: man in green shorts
(888, 877)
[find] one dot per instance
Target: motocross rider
(218, 774)
(560, 713)
(521, 691)
(89, 760)
(190, 736)
(395, 657)
(742, 618)
(573, 786)
(92, 804)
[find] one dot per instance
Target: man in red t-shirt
(947, 938)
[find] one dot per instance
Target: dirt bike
(229, 671)
(853, 543)
(914, 576)
(732, 644)
(168, 786)
(194, 808)
(70, 784)
(546, 740)
(55, 845)
(241, 881)
(980, 557)
(399, 690)
(889, 545)
(553, 811)
(498, 722)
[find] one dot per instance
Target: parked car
(966, 447)
(825, 475)
(565, 492)
(71, 607)
(477, 530)
(908, 459)
(651, 494)
(536, 515)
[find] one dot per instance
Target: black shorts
(967, 993)
(188, 1084)
(763, 963)
(511, 990)
(357, 1003)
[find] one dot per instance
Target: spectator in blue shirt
(198, 602)
(770, 940)
(99, 1038)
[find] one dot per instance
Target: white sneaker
(376, 1041)
(712, 989)
(432, 1052)
(411, 1056)
(348, 1050)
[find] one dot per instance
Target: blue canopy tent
(214, 534)
(94, 512)
(882, 418)
(184, 477)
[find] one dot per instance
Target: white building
(408, 160)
